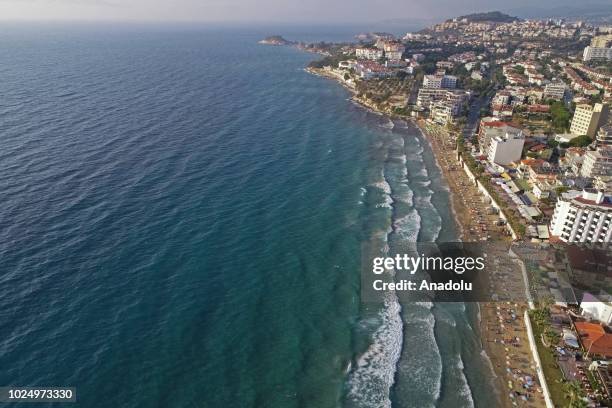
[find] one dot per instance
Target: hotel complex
(583, 217)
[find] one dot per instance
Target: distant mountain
(494, 16)
(593, 11)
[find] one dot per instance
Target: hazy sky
(344, 11)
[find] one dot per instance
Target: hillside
(494, 16)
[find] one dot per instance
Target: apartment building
(597, 163)
(597, 53)
(393, 50)
(603, 183)
(555, 90)
(491, 127)
(583, 217)
(371, 69)
(439, 81)
(587, 119)
(601, 41)
(441, 112)
(506, 147)
(456, 97)
(604, 136)
(369, 53)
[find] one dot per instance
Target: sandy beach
(503, 332)
(502, 329)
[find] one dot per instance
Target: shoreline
(473, 226)
(460, 223)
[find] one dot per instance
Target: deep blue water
(181, 215)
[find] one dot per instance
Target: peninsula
(275, 40)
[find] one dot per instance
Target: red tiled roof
(592, 202)
(533, 162)
(594, 260)
(537, 147)
(538, 108)
(594, 338)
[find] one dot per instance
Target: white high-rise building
(555, 90)
(597, 53)
(597, 163)
(604, 136)
(492, 127)
(583, 217)
(439, 81)
(506, 147)
(601, 41)
(456, 97)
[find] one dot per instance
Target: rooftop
(594, 338)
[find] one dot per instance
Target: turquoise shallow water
(182, 215)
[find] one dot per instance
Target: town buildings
(527, 64)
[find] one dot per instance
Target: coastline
(473, 226)
(455, 203)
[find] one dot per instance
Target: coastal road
(473, 117)
(414, 92)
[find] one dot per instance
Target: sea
(182, 212)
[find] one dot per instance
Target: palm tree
(580, 403)
(574, 392)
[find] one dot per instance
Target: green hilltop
(494, 16)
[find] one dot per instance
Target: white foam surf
(371, 380)
(464, 391)
(384, 186)
(421, 368)
(388, 125)
(408, 227)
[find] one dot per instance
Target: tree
(574, 392)
(540, 316)
(580, 141)
(552, 336)
(560, 116)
